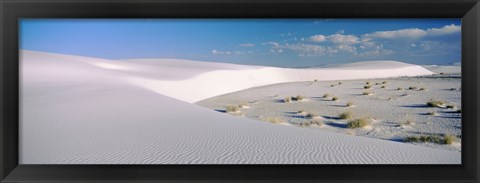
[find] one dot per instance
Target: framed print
(239, 91)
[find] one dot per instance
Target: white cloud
(247, 45)
(397, 34)
(378, 50)
(335, 38)
(216, 52)
(275, 44)
(371, 44)
(347, 48)
(448, 29)
(414, 33)
(306, 49)
(343, 39)
(318, 38)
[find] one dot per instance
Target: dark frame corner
(11, 10)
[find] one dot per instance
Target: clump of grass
(298, 97)
(442, 73)
(340, 83)
(384, 82)
(367, 93)
(447, 139)
(435, 103)
(232, 108)
(412, 88)
(301, 111)
(358, 123)
(290, 98)
(412, 139)
(274, 119)
(450, 106)
(399, 88)
(287, 99)
(367, 87)
(334, 98)
(408, 123)
(332, 85)
(311, 115)
(315, 80)
(346, 115)
(422, 89)
(349, 104)
(432, 113)
(367, 83)
(377, 83)
(431, 138)
(326, 95)
(243, 105)
(382, 87)
(318, 122)
(459, 111)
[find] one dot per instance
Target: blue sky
(271, 42)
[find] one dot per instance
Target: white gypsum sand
(395, 114)
(208, 79)
(81, 110)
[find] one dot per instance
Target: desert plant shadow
(451, 117)
(297, 116)
(426, 133)
(331, 117)
(338, 105)
(397, 139)
(221, 110)
(355, 94)
(338, 125)
(416, 106)
(428, 114)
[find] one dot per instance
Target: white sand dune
(446, 69)
(212, 79)
(81, 110)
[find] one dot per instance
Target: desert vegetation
(326, 95)
(346, 115)
(358, 123)
(349, 104)
(432, 113)
(232, 108)
(367, 93)
(273, 119)
(295, 98)
(446, 139)
(435, 103)
(450, 106)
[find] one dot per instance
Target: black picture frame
(11, 11)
